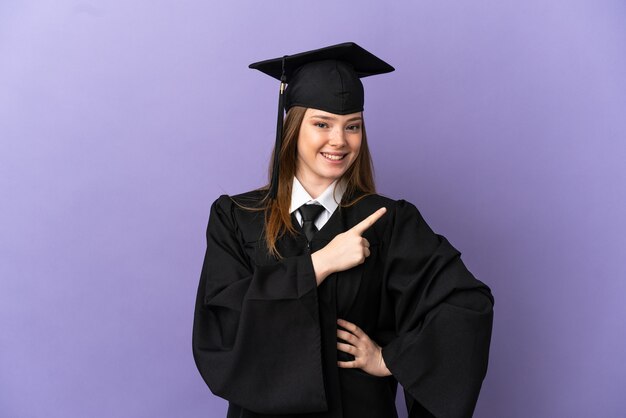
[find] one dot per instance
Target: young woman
(318, 296)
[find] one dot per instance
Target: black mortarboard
(327, 79)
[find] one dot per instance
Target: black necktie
(309, 213)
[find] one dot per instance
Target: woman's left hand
(367, 354)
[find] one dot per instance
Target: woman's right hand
(346, 250)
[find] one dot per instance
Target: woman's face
(327, 145)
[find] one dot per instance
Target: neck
(314, 188)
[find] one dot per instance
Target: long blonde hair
(359, 177)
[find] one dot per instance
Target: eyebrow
(334, 118)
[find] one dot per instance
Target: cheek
(306, 152)
(355, 144)
(301, 146)
(309, 144)
(304, 140)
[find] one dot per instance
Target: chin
(333, 176)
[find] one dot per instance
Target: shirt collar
(299, 196)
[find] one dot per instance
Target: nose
(337, 137)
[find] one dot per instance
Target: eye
(321, 124)
(354, 128)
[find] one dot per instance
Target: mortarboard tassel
(279, 133)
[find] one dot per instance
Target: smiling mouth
(333, 157)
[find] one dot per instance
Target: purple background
(122, 121)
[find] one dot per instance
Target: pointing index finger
(362, 226)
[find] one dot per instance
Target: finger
(366, 251)
(348, 364)
(369, 221)
(347, 348)
(347, 337)
(353, 328)
(365, 242)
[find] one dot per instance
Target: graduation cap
(327, 79)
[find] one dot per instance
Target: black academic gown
(264, 334)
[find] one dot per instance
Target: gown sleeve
(256, 334)
(443, 320)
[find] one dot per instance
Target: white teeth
(333, 157)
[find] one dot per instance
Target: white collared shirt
(299, 197)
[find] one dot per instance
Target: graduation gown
(264, 334)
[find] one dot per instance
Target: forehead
(321, 114)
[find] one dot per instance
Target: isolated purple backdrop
(121, 122)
